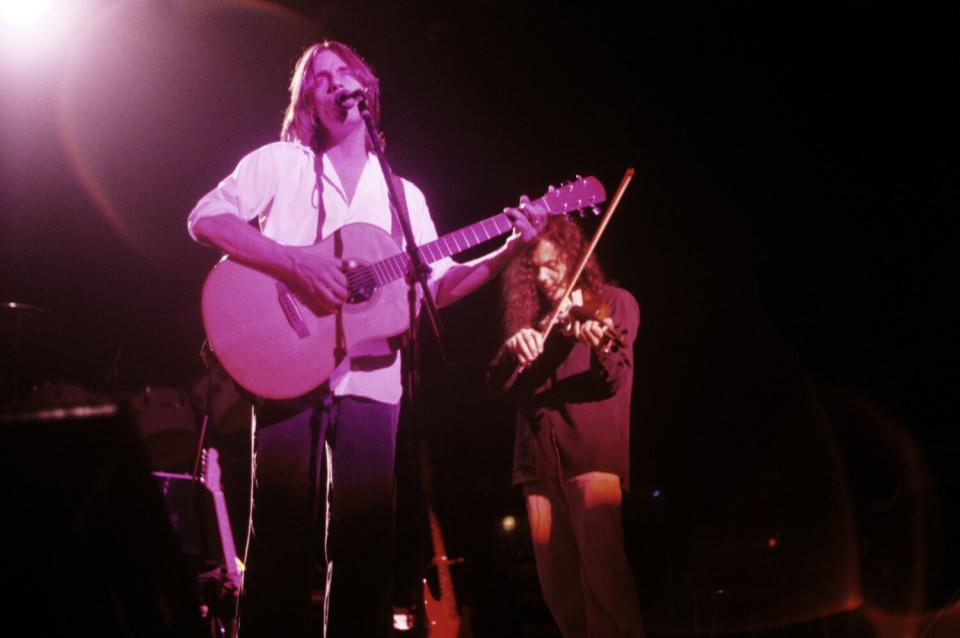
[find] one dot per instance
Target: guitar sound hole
(361, 281)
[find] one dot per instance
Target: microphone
(346, 100)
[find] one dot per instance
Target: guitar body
(278, 347)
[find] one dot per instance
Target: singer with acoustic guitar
(572, 393)
(320, 196)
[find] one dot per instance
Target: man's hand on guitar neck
(319, 277)
(528, 218)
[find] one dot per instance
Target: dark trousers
(291, 555)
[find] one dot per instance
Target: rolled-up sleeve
(245, 193)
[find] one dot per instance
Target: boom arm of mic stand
(416, 261)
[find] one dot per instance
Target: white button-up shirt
(277, 184)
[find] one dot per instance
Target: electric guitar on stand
(211, 480)
(442, 614)
(231, 576)
(277, 345)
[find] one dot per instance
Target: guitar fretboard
(397, 266)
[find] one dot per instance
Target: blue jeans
(295, 527)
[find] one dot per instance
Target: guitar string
(395, 266)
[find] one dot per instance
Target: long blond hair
(300, 122)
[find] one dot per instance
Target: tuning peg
(578, 178)
(596, 211)
(551, 189)
(582, 213)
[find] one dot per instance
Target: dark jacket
(573, 404)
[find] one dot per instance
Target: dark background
(786, 234)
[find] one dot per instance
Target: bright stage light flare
(24, 15)
(30, 29)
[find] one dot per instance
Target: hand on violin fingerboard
(592, 332)
(526, 345)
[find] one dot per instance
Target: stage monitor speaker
(88, 548)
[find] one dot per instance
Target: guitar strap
(339, 350)
(395, 230)
(318, 188)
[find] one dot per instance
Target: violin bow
(614, 202)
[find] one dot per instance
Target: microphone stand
(419, 271)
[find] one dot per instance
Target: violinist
(571, 458)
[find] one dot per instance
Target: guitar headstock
(211, 469)
(574, 195)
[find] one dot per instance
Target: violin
(552, 318)
(593, 308)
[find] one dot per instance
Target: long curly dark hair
(521, 303)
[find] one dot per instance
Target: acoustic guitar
(278, 345)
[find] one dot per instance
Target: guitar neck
(226, 534)
(211, 479)
(397, 266)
